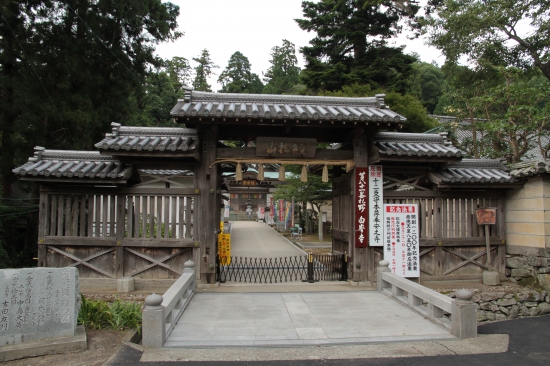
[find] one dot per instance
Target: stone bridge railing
(457, 315)
(161, 313)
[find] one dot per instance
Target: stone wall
(529, 270)
(507, 302)
(502, 305)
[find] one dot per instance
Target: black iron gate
(305, 268)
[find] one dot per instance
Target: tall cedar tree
(238, 78)
(203, 71)
(179, 71)
(350, 46)
(283, 73)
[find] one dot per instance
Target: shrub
(119, 315)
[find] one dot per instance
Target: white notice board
(376, 197)
(401, 239)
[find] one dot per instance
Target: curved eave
(75, 167)
(274, 112)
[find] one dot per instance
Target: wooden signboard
(249, 183)
(361, 225)
(285, 147)
(486, 216)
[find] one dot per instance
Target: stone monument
(37, 304)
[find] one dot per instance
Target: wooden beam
(132, 191)
(154, 262)
(447, 194)
(480, 186)
(74, 180)
(419, 159)
(152, 154)
(112, 242)
(84, 261)
(459, 242)
(250, 153)
(163, 164)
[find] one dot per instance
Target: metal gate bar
(306, 268)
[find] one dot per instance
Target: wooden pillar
(359, 255)
(42, 228)
(207, 212)
(119, 235)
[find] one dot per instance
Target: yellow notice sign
(224, 248)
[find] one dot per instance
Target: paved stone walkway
(297, 319)
(293, 317)
(258, 240)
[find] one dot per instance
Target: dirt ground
(102, 344)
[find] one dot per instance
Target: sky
(252, 27)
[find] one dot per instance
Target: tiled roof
(473, 171)
(73, 164)
(298, 107)
(185, 173)
(530, 168)
(415, 144)
(149, 139)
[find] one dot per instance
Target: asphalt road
(529, 345)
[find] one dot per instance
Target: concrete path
(298, 319)
(258, 240)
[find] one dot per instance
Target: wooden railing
(130, 229)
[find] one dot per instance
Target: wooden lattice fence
(117, 232)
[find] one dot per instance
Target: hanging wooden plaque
(486, 216)
(285, 147)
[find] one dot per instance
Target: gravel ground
(102, 344)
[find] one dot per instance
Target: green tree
(516, 32)
(411, 108)
(160, 98)
(314, 191)
(507, 114)
(283, 73)
(407, 105)
(179, 71)
(426, 83)
(461, 87)
(237, 76)
(69, 68)
(351, 43)
(203, 71)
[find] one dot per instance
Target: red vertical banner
(281, 210)
(361, 223)
(272, 207)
